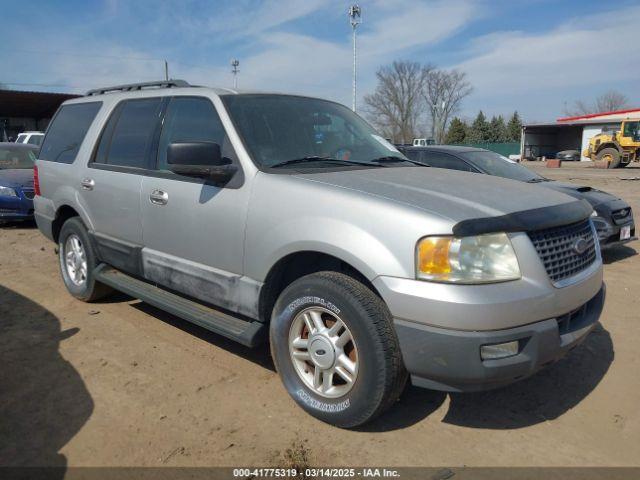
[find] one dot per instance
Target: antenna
(234, 69)
(355, 18)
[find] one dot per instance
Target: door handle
(158, 197)
(87, 183)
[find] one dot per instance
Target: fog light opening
(499, 350)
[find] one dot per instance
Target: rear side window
(128, 136)
(35, 140)
(67, 131)
(191, 119)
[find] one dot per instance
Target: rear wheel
(78, 261)
(334, 346)
(611, 156)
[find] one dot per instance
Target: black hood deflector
(526, 220)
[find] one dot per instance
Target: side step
(249, 333)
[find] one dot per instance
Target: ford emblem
(580, 246)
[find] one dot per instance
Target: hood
(592, 195)
(449, 194)
(16, 177)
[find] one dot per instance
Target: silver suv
(289, 218)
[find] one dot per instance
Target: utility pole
(166, 70)
(355, 17)
(234, 69)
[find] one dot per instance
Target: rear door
(111, 184)
(193, 228)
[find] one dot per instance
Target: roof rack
(139, 86)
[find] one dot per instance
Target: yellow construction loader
(616, 146)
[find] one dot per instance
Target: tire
(611, 155)
(373, 350)
(82, 286)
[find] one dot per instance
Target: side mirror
(199, 159)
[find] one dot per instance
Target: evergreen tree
(498, 129)
(457, 132)
(480, 130)
(514, 128)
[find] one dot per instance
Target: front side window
(127, 138)
(191, 119)
(67, 131)
(444, 160)
(499, 166)
(22, 158)
(281, 128)
(21, 138)
(631, 130)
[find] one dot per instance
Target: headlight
(481, 259)
(7, 192)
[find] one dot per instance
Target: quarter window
(191, 119)
(127, 138)
(67, 131)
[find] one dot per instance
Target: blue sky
(529, 55)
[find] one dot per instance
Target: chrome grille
(29, 194)
(556, 248)
(621, 216)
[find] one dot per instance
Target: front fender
(347, 242)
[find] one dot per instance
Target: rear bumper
(45, 225)
(443, 359)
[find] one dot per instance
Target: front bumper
(16, 208)
(609, 234)
(449, 360)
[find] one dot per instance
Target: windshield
(13, 157)
(495, 164)
(281, 128)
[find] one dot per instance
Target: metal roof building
(568, 133)
(25, 111)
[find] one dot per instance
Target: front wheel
(334, 346)
(611, 156)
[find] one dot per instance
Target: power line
(64, 85)
(115, 57)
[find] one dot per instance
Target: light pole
(355, 17)
(234, 69)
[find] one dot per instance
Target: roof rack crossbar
(139, 86)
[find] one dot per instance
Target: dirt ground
(121, 383)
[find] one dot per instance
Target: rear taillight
(36, 181)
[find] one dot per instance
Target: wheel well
(299, 264)
(63, 214)
(607, 145)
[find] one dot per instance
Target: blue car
(16, 181)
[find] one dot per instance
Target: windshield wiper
(317, 159)
(392, 159)
(537, 180)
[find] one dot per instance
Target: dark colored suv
(612, 216)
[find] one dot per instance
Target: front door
(193, 230)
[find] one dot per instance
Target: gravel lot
(122, 383)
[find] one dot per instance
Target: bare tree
(607, 102)
(443, 94)
(396, 106)
(611, 100)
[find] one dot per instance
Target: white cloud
(305, 64)
(592, 50)
(246, 18)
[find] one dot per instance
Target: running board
(249, 333)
